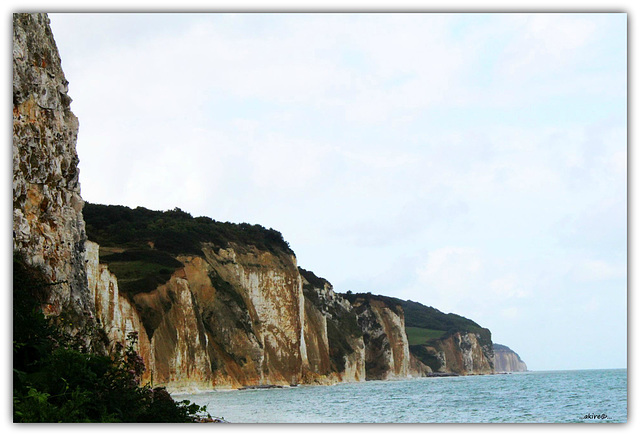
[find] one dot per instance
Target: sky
(476, 163)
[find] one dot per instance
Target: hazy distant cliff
(214, 304)
(507, 360)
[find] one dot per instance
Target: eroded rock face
(334, 340)
(386, 344)
(48, 228)
(463, 353)
(507, 360)
(229, 319)
(115, 314)
(418, 368)
(240, 317)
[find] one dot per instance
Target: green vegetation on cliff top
(140, 245)
(427, 317)
(314, 280)
(174, 231)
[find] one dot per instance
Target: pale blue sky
(472, 162)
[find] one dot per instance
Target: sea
(584, 396)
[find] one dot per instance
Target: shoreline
(196, 391)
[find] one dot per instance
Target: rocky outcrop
(385, 339)
(230, 318)
(113, 311)
(507, 360)
(48, 229)
(418, 368)
(463, 353)
(335, 344)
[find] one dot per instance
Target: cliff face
(385, 339)
(48, 228)
(447, 342)
(230, 318)
(464, 353)
(240, 316)
(115, 314)
(507, 360)
(238, 313)
(335, 345)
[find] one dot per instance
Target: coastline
(197, 391)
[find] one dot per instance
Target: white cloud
(450, 276)
(511, 312)
(598, 270)
(591, 305)
(546, 43)
(508, 286)
(451, 265)
(468, 277)
(286, 164)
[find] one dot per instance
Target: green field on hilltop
(419, 335)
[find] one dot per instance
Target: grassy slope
(420, 336)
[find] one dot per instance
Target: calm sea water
(547, 396)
